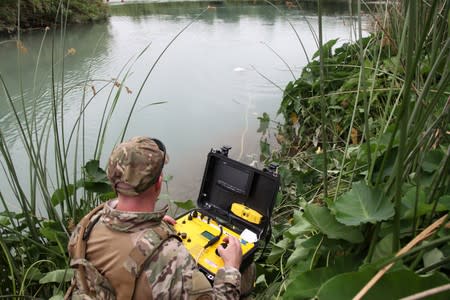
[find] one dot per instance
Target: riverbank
(39, 14)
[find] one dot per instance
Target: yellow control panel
(197, 231)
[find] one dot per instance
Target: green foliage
(307, 284)
(361, 205)
(57, 276)
(363, 178)
(42, 13)
(33, 241)
(394, 285)
(322, 219)
(186, 205)
(34, 259)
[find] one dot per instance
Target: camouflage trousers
(248, 278)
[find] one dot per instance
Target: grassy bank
(38, 14)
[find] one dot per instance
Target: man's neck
(145, 202)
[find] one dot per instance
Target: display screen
(208, 235)
(234, 179)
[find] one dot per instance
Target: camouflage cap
(136, 164)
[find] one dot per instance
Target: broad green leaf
(445, 201)
(52, 231)
(286, 176)
(300, 267)
(306, 284)
(4, 221)
(323, 220)
(361, 205)
(57, 276)
(106, 196)
(60, 194)
(187, 205)
(97, 187)
(383, 249)
(432, 160)
(431, 257)
(312, 242)
(393, 285)
(326, 48)
(261, 280)
(278, 250)
(34, 274)
(423, 208)
(299, 253)
(59, 296)
(300, 226)
(50, 234)
(94, 172)
(326, 244)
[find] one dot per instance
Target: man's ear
(159, 183)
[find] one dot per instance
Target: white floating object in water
(238, 69)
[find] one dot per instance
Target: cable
(214, 239)
(210, 243)
(198, 256)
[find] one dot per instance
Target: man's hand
(232, 254)
(169, 220)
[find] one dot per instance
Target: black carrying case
(227, 181)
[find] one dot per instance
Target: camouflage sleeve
(166, 269)
(171, 274)
(227, 283)
(73, 241)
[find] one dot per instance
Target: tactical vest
(115, 273)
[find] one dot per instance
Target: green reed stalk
(80, 125)
(293, 28)
(438, 183)
(411, 15)
(106, 118)
(366, 135)
(153, 67)
(104, 121)
(11, 266)
(23, 240)
(323, 102)
(22, 198)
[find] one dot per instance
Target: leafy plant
(33, 245)
(41, 13)
(368, 173)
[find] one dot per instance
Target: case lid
(227, 182)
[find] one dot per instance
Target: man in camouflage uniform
(121, 236)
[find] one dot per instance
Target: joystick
(224, 245)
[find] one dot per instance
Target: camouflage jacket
(171, 271)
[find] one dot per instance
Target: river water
(215, 79)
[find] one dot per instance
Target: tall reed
(33, 255)
(378, 109)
